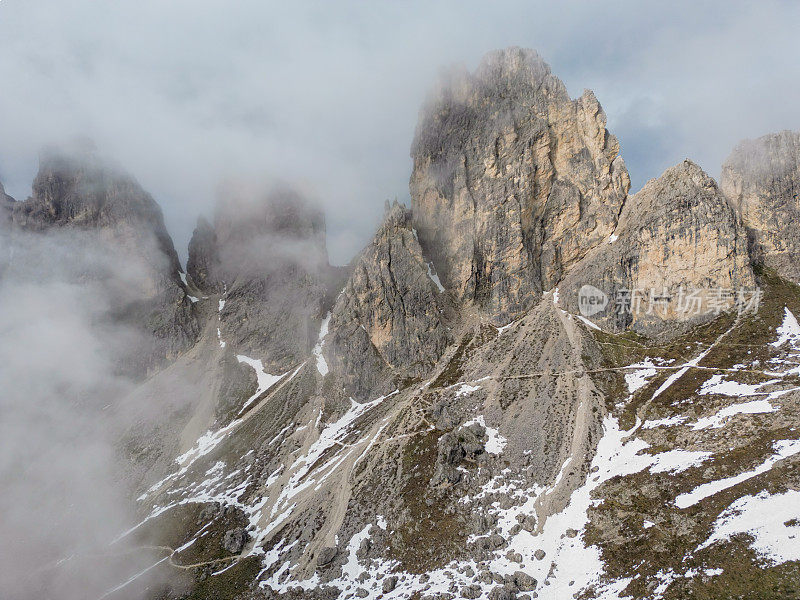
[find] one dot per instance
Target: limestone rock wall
(391, 308)
(679, 235)
(87, 207)
(762, 179)
(266, 256)
(513, 182)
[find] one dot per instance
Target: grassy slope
(629, 549)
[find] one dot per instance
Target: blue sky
(325, 95)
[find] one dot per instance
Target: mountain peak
(74, 187)
(513, 181)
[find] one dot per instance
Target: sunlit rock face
(762, 179)
(389, 322)
(678, 256)
(513, 181)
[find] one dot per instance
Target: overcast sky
(325, 95)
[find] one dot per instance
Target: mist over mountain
(326, 96)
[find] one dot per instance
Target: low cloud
(64, 496)
(185, 93)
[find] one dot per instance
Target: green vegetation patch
(430, 533)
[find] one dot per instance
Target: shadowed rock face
(6, 208)
(513, 181)
(80, 199)
(5, 199)
(762, 179)
(390, 310)
(678, 232)
(6, 211)
(75, 189)
(266, 255)
(202, 255)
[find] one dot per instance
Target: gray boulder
(326, 556)
(234, 540)
(389, 584)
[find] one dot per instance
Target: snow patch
(772, 521)
(265, 380)
(638, 378)
(496, 442)
(744, 408)
(434, 277)
(677, 461)
(322, 364)
(466, 389)
(680, 373)
(789, 330)
(717, 385)
(783, 449)
(665, 422)
(588, 323)
(504, 328)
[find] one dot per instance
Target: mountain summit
(513, 181)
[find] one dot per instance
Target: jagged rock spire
(101, 209)
(677, 235)
(513, 181)
(389, 322)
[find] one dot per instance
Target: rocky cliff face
(6, 211)
(203, 256)
(393, 309)
(118, 230)
(678, 257)
(513, 181)
(5, 203)
(762, 179)
(266, 255)
(76, 189)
